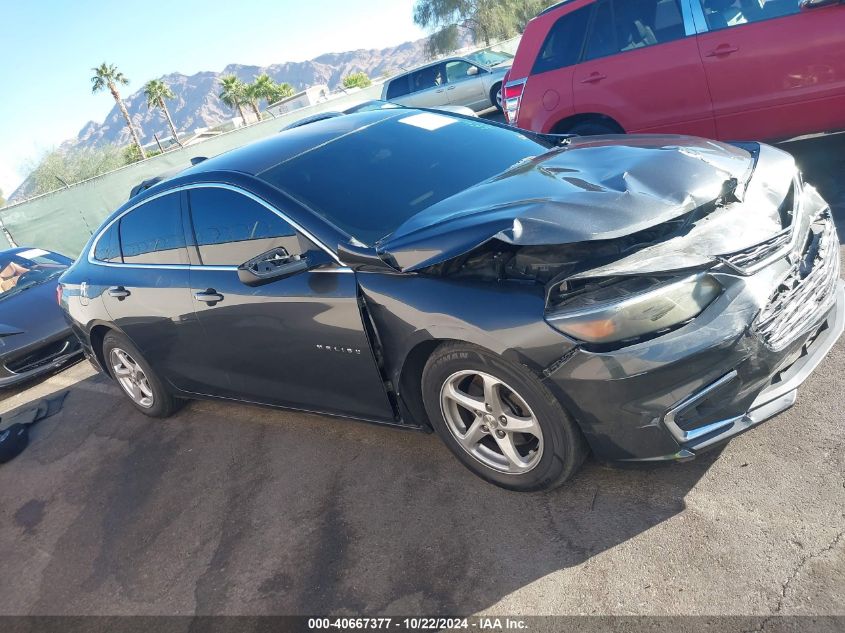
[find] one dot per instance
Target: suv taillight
(59, 294)
(511, 96)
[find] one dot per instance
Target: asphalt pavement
(244, 510)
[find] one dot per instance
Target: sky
(47, 50)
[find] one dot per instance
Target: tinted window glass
(152, 233)
(602, 39)
(232, 229)
(426, 78)
(722, 14)
(459, 71)
(369, 182)
(398, 88)
(108, 246)
(563, 44)
(637, 22)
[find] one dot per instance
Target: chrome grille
(807, 292)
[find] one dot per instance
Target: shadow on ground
(236, 509)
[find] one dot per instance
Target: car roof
(261, 155)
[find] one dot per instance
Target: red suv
(726, 69)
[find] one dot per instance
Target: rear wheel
(499, 420)
(137, 379)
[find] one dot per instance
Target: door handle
(210, 296)
(593, 78)
(722, 49)
(119, 292)
(450, 88)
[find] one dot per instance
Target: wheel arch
(562, 126)
(97, 336)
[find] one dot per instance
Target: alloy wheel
(131, 377)
(491, 422)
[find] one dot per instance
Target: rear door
(465, 84)
(641, 67)
(298, 341)
(775, 70)
(146, 289)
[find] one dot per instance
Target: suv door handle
(722, 49)
(119, 292)
(450, 88)
(210, 296)
(593, 78)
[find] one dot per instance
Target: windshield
(370, 181)
(490, 58)
(28, 268)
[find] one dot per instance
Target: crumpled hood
(596, 188)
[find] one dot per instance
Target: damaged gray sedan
(529, 298)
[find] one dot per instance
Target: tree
(252, 97)
(107, 76)
(265, 88)
(484, 20)
(156, 92)
(61, 168)
(282, 91)
(357, 80)
(234, 94)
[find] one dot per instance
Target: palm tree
(233, 94)
(252, 97)
(265, 88)
(108, 76)
(281, 91)
(156, 92)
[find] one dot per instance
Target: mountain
(197, 105)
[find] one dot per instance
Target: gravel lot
(242, 510)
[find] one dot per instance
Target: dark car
(530, 298)
(34, 336)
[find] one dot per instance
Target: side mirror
(271, 266)
(472, 71)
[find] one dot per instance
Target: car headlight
(633, 307)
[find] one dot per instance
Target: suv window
(426, 78)
(399, 87)
(722, 14)
(231, 229)
(564, 42)
(108, 246)
(458, 70)
(152, 233)
(624, 25)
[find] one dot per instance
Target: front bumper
(781, 393)
(36, 359)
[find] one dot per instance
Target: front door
(641, 66)
(297, 341)
(775, 70)
(465, 85)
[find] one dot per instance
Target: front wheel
(499, 420)
(496, 97)
(137, 379)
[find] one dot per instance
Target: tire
(593, 128)
(459, 375)
(496, 97)
(151, 397)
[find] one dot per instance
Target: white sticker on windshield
(428, 121)
(32, 252)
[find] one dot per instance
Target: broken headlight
(633, 307)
